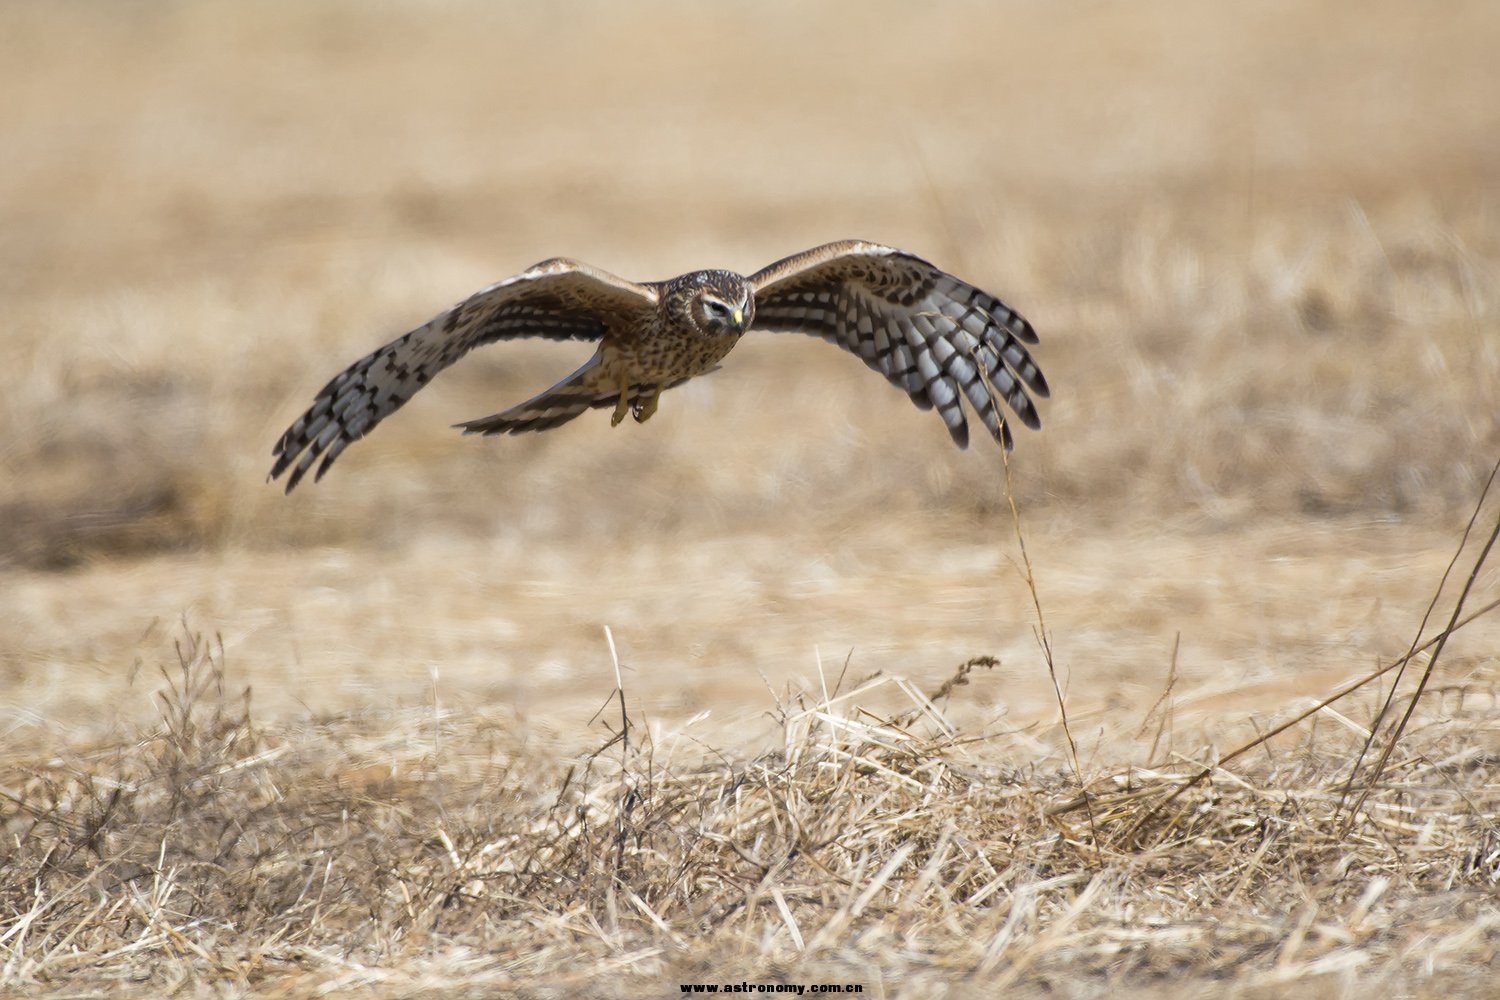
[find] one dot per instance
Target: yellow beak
(739, 316)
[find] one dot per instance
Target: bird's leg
(644, 408)
(623, 406)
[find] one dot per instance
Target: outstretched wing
(936, 337)
(557, 299)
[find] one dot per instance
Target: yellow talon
(623, 406)
(646, 407)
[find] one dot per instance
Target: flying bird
(932, 335)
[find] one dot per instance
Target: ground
(1261, 247)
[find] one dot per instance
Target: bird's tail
(555, 407)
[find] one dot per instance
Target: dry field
(361, 740)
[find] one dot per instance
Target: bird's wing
(557, 299)
(933, 335)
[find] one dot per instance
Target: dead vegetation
(427, 854)
(435, 853)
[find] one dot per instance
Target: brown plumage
(936, 337)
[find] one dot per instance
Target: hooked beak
(739, 316)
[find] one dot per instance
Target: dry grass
(436, 853)
(1262, 246)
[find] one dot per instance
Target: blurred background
(1259, 241)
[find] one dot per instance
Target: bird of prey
(932, 335)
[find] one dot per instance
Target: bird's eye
(715, 308)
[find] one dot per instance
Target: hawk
(936, 337)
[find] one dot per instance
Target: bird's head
(719, 303)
